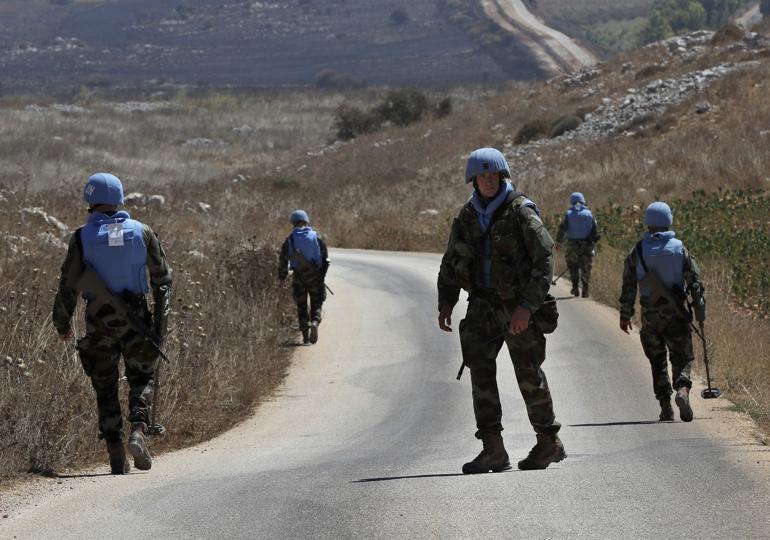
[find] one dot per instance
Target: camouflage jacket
(521, 255)
(160, 282)
(663, 311)
(283, 257)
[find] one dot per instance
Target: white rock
(156, 201)
(203, 207)
(134, 198)
(51, 240)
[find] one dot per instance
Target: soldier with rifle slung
(501, 253)
(665, 272)
(107, 261)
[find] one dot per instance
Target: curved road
(554, 50)
(367, 435)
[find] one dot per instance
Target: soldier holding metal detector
(107, 261)
(665, 273)
(305, 252)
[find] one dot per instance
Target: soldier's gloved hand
(625, 325)
(519, 320)
(445, 319)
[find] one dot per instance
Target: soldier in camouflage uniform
(664, 272)
(500, 252)
(579, 226)
(120, 250)
(305, 252)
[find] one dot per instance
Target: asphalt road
(367, 436)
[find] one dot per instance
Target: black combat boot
(306, 336)
(313, 331)
(138, 448)
(492, 458)
(683, 402)
(575, 291)
(666, 410)
(548, 449)
(118, 462)
(585, 290)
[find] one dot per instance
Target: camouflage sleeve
(67, 296)
(539, 245)
(448, 289)
(160, 282)
(563, 226)
(595, 234)
(692, 279)
(628, 290)
(283, 260)
(325, 262)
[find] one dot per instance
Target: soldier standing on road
(664, 272)
(501, 254)
(579, 226)
(121, 251)
(304, 250)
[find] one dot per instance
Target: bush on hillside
(352, 121)
(534, 129)
(764, 7)
(729, 33)
(399, 107)
(670, 17)
(563, 125)
(403, 106)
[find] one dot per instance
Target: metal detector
(711, 392)
(554, 280)
(156, 428)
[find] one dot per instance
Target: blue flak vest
(121, 267)
(580, 222)
(664, 254)
(305, 240)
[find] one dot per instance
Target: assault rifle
(99, 295)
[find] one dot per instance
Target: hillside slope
(237, 43)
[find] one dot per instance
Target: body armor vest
(664, 254)
(580, 223)
(305, 241)
(122, 267)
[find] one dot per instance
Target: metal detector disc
(710, 393)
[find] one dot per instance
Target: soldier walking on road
(500, 252)
(304, 250)
(120, 251)
(664, 272)
(579, 226)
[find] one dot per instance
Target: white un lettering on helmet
(90, 189)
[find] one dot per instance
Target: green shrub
(563, 125)
(352, 121)
(398, 17)
(402, 107)
(331, 78)
(534, 129)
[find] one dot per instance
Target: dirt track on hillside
(555, 51)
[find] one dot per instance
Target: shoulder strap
(511, 198)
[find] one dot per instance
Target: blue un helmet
(486, 160)
(577, 197)
(103, 188)
(299, 215)
(658, 214)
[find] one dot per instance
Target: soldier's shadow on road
(409, 477)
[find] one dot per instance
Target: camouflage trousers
(579, 258)
(482, 333)
(100, 351)
(667, 339)
(316, 292)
